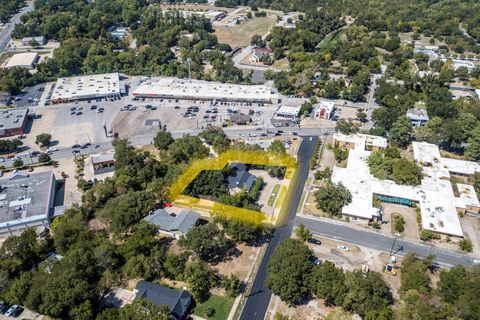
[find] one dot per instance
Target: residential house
(418, 117)
(178, 302)
(241, 179)
(172, 223)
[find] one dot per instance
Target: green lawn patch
(221, 305)
(273, 195)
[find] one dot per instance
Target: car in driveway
(3, 307)
(14, 311)
(315, 260)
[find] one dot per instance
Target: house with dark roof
(240, 118)
(178, 302)
(240, 179)
(173, 224)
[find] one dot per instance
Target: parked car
(342, 248)
(93, 107)
(3, 307)
(315, 260)
(314, 241)
(14, 311)
(52, 149)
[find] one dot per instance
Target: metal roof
(182, 222)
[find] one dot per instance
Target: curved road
(259, 297)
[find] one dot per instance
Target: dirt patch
(240, 264)
(240, 35)
(409, 215)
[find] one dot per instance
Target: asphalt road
(5, 34)
(98, 147)
(259, 298)
(377, 241)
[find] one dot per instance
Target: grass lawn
(330, 39)
(221, 305)
(240, 35)
(273, 195)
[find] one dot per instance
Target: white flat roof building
(288, 112)
(25, 60)
(435, 196)
(205, 90)
(86, 87)
(361, 141)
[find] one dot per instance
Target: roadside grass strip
(273, 195)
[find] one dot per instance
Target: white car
(52, 149)
(342, 248)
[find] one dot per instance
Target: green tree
(18, 290)
(289, 270)
(402, 132)
(43, 139)
(366, 293)
(332, 197)
(20, 253)
(346, 127)
(328, 282)
(10, 145)
(175, 265)
(277, 147)
(163, 140)
(406, 172)
(472, 150)
(232, 285)
(44, 157)
(200, 278)
(257, 41)
(217, 138)
(414, 274)
(452, 283)
(127, 209)
(465, 245)
(302, 232)
(207, 242)
(18, 163)
(186, 149)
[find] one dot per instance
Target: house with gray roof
(178, 302)
(417, 116)
(240, 179)
(173, 224)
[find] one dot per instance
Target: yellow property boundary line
(232, 155)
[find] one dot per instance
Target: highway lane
(5, 35)
(377, 241)
(257, 301)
